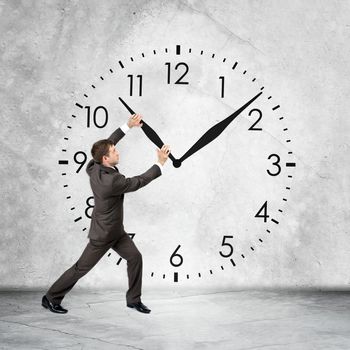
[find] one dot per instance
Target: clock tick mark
(188, 277)
(202, 52)
(121, 64)
(176, 277)
(154, 52)
(290, 152)
(63, 162)
(143, 55)
(262, 88)
(131, 59)
(275, 221)
(119, 261)
(111, 70)
(284, 199)
(276, 107)
(244, 72)
(78, 105)
(261, 240)
(199, 274)
(152, 274)
(86, 96)
(163, 276)
(235, 65)
(65, 185)
(73, 116)
(252, 248)
(66, 138)
(69, 197)
(64, 150)
(178, 49)
(84, 229)
(101, 78)
(224, 60)
(211, 272)
(72, 208)
(69, 127)
(190, 50)
(287, 188)
(213, 55)
(290, 164)
(281, 211)
(268, 231)
(242, 255)
(253, 80)
(222, 268)
(77, 219)
(109, 254)
(232, 262)
(287, 140)
(285, 129)
(93, 86)
(269, 97)
(63, 174)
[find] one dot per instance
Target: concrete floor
(237, 320)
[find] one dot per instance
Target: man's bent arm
(122, 184)
(118, 134)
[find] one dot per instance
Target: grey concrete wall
(51, 51)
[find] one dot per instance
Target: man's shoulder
(91, 166)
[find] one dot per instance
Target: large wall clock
(226, 188)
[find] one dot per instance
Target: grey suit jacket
(108, 187)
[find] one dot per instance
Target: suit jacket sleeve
(116, 136)
(122, 184)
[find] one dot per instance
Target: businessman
(107, 230)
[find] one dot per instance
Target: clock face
(209, 215)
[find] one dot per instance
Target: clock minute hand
(149, 132)
(216, 130)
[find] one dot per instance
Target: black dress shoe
(57, 308)
(139, 307)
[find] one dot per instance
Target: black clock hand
(216, 130)
(150, 133)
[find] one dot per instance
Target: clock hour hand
(150, 133)
(216, 130)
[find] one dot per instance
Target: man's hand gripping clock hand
(163, 154)
(135, 120)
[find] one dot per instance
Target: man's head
(104, 152)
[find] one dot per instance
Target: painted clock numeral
(178, 81)
(89, 206)
(82, 162)
(103, 116)
(176, 255)
(253, 128)
(276, 163)
(131, 76)
(264, 214)
(228, 245)
(222, 86)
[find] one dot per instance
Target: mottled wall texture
(51, 53)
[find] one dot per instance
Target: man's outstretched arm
(121, 184)
(117, 135)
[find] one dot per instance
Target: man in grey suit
(107, 230)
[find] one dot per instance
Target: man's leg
(126, 248)
(90, 256)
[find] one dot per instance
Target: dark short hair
(100, 149)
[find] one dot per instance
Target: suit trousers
(92, 253)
